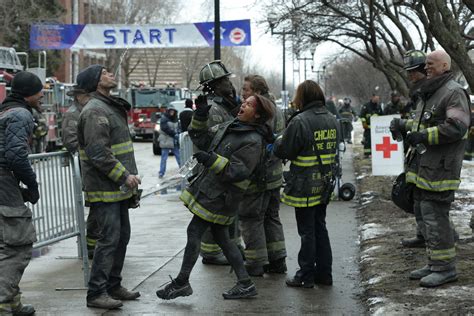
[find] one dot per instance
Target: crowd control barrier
(59, 213)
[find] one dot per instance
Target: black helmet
(213, 71)
(402, 193)
(413, 59)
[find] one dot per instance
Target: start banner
(116, 36)
(387, 154)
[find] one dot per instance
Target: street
(53, 282)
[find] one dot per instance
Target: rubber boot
(415, 242)
(220, 260)
(254, 270)
(439, 278)
(420, 273)
(23, 309)
(276, 266)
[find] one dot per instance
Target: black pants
(315, 256)
(196, 229)
(109, 255)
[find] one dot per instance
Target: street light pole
(305, 59)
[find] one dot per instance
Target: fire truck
(147, 106)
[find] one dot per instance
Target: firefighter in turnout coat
(371, 108)
(231, 154)
(310, 143)
(17, 233)
(437, 136)
(107, 166)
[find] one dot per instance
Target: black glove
(415, 138)
(395, 129)
(202, 157)
(30, 194)
(202, 108)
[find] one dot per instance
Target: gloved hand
(415, 138)
(202, 108)
(202, 157)
(30, 194)
(395, 129)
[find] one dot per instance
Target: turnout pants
(367, 142)
(210, 248)
(261, 228)
(315, 255)
(437, 231)
(109, 254)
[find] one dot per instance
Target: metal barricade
(59, 213)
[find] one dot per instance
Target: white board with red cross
(387, 154)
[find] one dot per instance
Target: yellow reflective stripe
(219, 164)
(433, 137)
(363, 120)
(274, 184)
(409, 125)
(256, 254)
(82, 155)
(122, 148)
(300, 201)
(309, 161)
(107, 196)
(117, 171)
(197, 124)
(276, 246)
(210, 247)
(442, 254)
(367, 150)
(437, 186)
(91, 242)
(197, 209)
(328, 159)
(466, 135)
(243, 185)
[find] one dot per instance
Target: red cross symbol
(386, 147)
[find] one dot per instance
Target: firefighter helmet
(402, 193)
(213, 71)
(413, 59)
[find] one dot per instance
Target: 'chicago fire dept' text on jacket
(310, 138)
(105, 149)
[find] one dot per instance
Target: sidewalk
(53, 283)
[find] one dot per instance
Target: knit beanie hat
(26, 84)
(89, 78)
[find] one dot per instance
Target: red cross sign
(386, 147)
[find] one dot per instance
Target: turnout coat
(237, 150)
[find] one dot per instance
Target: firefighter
(371, 108)
(348, 115)
(39, 132)
(395, 106)
(222, 96)
(259, 217)
(230, 155)
(17, 235)
(310, 142)
(109, 177)
(69, 138)
(437, 136)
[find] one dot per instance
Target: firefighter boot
(437, 278)
(420, 273)
(104, 301)
(21, 310)
(174, 289)
(243, 289)
(122, 294)
(277, 266)
(219, 260)
(298, 282)
(415, 242)
(255, 270)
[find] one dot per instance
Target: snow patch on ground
(457, 292)
(373, 230)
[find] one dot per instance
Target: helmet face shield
(212, 71)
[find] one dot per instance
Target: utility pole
(217, 31)
(305, 59)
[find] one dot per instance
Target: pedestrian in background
(186, 115)
(169, 138)
(259, 217)
(107, 165)
(69, 137)
(17, 233)
(348, 115)
(437, 139)
(310, 143)
(230, 155)
(371, 108)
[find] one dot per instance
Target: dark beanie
(89, 78)
(26, 84)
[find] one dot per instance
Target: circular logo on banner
(237, 36)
